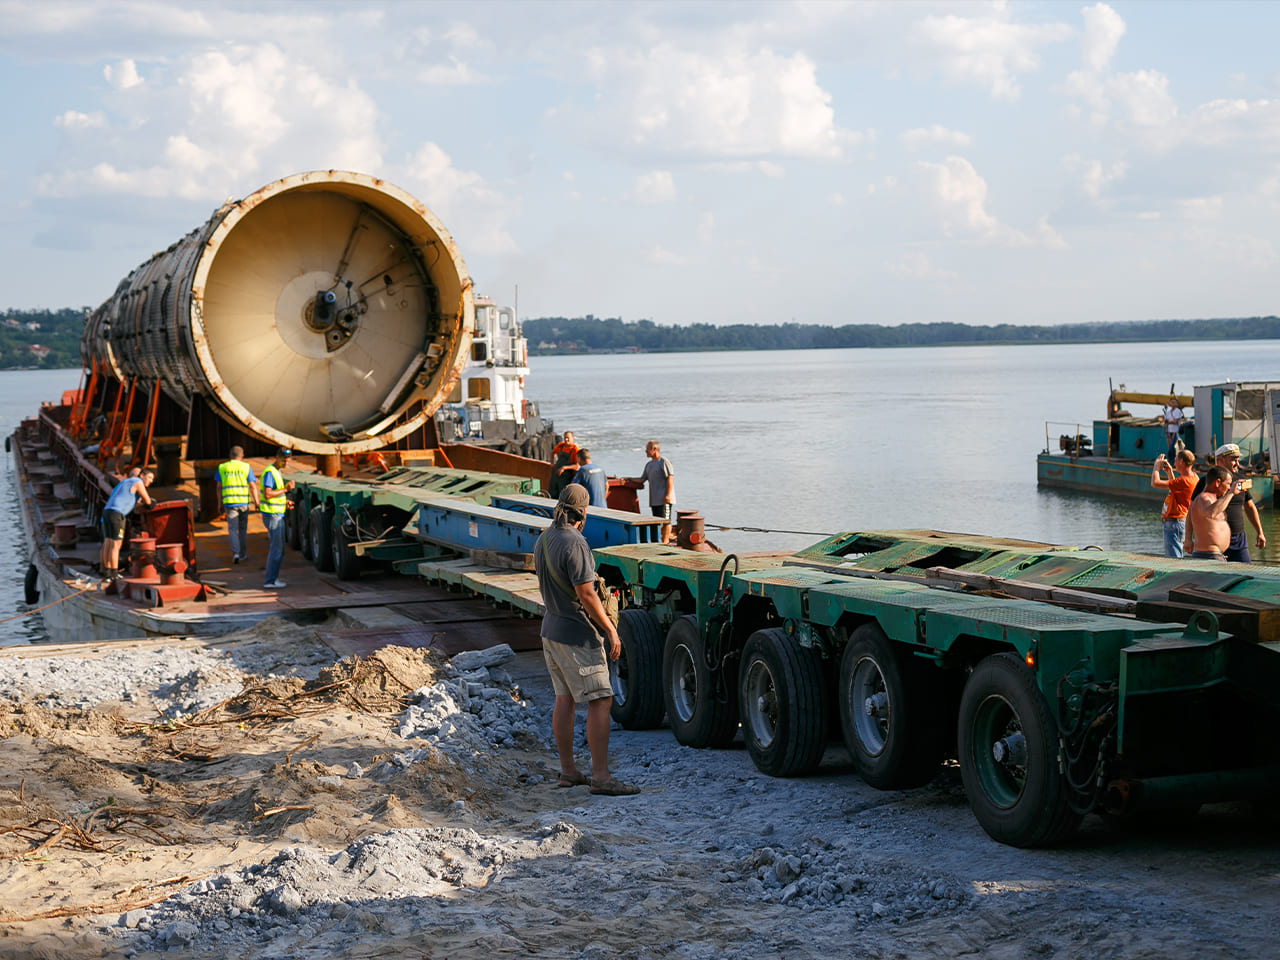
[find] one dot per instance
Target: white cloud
(1093, 177)
(959, 197)
(228, 121)
(460, 197)
(661, 255)
(1144, 97)
(921, 137)
(987, 51)
(123, 75)
(1103, 28)
(1201, 208)
(455, 73)
(75, 120)
(657, 186)
(734, 104)
(915, 265)
(706, 227)
(837, 200)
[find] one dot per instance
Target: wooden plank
(1059, 596)
(337, 600)
(499, 558)
(1206, 597)
(455, 611)
(1241, 624)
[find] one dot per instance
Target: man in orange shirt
(1180, 483)
(564, 463)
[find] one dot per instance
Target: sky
(721, 162)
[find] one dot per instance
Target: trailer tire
(697, 717)
(781, 699)
(346, 562)
(901, 743)
(304, 533)
(292, 528)
(637, 695)
(1021, 799)
(320, 530)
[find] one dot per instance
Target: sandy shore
(257, 797)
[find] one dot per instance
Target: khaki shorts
(578, 672)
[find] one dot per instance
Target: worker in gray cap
(578, 641)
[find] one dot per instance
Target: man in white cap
(1227, 456)
(578, 641)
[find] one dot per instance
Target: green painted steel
(1191, 709)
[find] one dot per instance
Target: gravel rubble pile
(712, 860)
(329, 902)
(178, 682)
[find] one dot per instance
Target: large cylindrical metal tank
(329, 312)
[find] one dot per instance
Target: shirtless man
(1208, 527)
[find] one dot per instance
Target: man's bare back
(1207, 516)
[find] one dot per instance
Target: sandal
(613, 787)
(572, 780)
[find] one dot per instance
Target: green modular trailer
(1052, 712)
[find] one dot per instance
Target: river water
(819, 441)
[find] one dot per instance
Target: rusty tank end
(329, 312)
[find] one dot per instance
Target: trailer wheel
(293, 527)
(888, 712)
(1009, 756)
(697, 717)
(346, 562)
(304, 534)
(637, 694)
(320, 528)
(781, 698)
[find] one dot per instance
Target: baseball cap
(1227, 450)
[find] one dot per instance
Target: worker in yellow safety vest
(274, 502)
(238, 490)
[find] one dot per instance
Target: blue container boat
(1114, 455)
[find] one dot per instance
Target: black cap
(284, 452)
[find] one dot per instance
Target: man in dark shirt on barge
(578, 641)
(1227, 456)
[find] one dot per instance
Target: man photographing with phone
(1239, 506)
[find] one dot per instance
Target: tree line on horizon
(56, 334)
(559, 335)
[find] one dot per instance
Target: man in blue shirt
(119, 505)
(592, 476)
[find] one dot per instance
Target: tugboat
(487, 407)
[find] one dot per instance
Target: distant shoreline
(53, 336)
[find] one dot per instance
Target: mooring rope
(707, 524)
(27, 613)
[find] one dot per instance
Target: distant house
(38, 351)
(32, 325)
(10, 322)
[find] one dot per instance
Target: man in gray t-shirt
(661, 481)
(578, 640)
